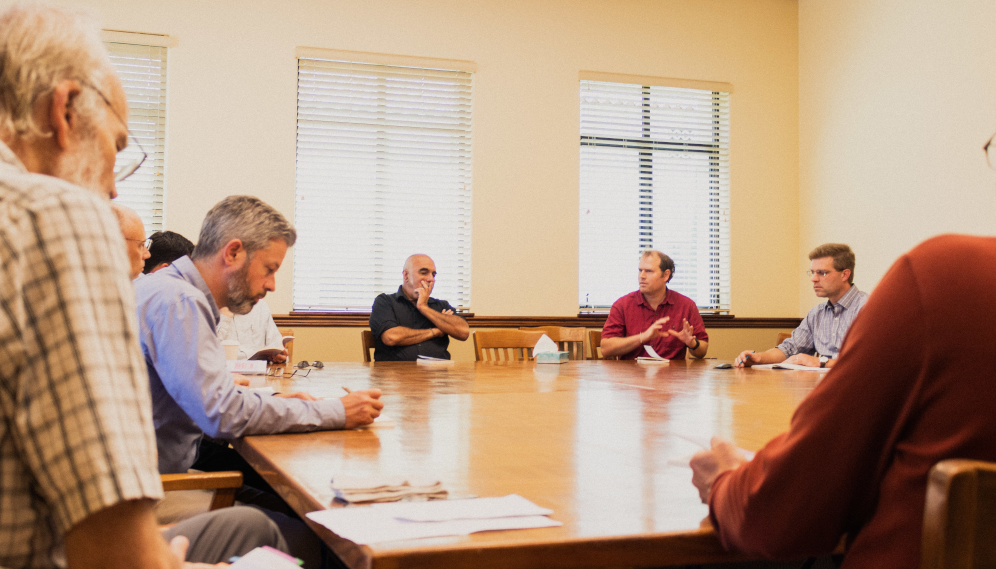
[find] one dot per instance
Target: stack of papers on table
(416, 520)
(790, 366)
(266, 558)
(387, 489)
(431, 361)
(653, 359)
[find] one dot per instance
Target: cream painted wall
(897, 98)
(231, 117)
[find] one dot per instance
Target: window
(383, 171)
(142, 69)
(654, 175)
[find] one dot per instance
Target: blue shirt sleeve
(181, 343)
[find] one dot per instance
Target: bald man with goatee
(409, 323)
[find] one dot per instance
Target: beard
(84, 167)
(240, 297)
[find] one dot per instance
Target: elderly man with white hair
(78, 476)
(133, 231)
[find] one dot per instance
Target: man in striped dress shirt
(816, 342)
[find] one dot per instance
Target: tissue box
(552, 358)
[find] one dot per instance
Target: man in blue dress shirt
(816, 342)
(242, 244)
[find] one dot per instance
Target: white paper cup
(231, 349)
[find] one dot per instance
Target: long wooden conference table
(604, 444)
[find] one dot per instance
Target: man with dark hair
(166, 247)
(642, 317)
(817, 340)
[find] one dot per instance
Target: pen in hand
(346, 389)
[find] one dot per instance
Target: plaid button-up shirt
(76, 431)
(822, 331)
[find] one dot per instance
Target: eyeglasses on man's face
(822, 274)
(146, 243)
(127, 168)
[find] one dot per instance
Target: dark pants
(217, 456)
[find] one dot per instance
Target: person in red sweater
(913, 386)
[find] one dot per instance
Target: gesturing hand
(686, 334)
(654, 331)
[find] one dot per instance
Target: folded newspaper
(386, 489)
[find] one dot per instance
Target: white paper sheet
(367, 524)
(417, 520)
(509, 506)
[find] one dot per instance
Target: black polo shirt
(390, 310)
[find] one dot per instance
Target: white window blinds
(383, 171)
(142, 69)
(654, 175)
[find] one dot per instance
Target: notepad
(431, 361)
(266, 558)
(654, 359)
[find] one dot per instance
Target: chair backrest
(570, 340)
(504, 345)
(367, 338)
(595, 341)
(290, 345)
(959, 518)
(782, 336)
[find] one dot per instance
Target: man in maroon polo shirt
(666, 320)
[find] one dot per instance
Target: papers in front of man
(784, 365)
(654, 359)
(385, 489)
(431, 361)
(416, 520)
(266, 558)
(246, 366)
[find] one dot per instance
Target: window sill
(362, 320)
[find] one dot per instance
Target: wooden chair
(367, 339)
(595, 341)
(290, 345)
(570, 340)
(959, 519)
(504, 345)
(195, 493)
(783, 336)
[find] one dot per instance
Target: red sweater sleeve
(819, 480)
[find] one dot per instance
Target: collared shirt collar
(846, 300)
(8, 157)
(186, 269)
(667, 299)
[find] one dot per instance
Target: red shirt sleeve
(615, 324)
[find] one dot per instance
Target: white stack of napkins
(416, 520)
(385, 489)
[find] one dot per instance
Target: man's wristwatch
(823, 361)
(696, 346)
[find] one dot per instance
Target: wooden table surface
(598, 442)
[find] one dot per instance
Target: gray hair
(246, 218)
(39, 47)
